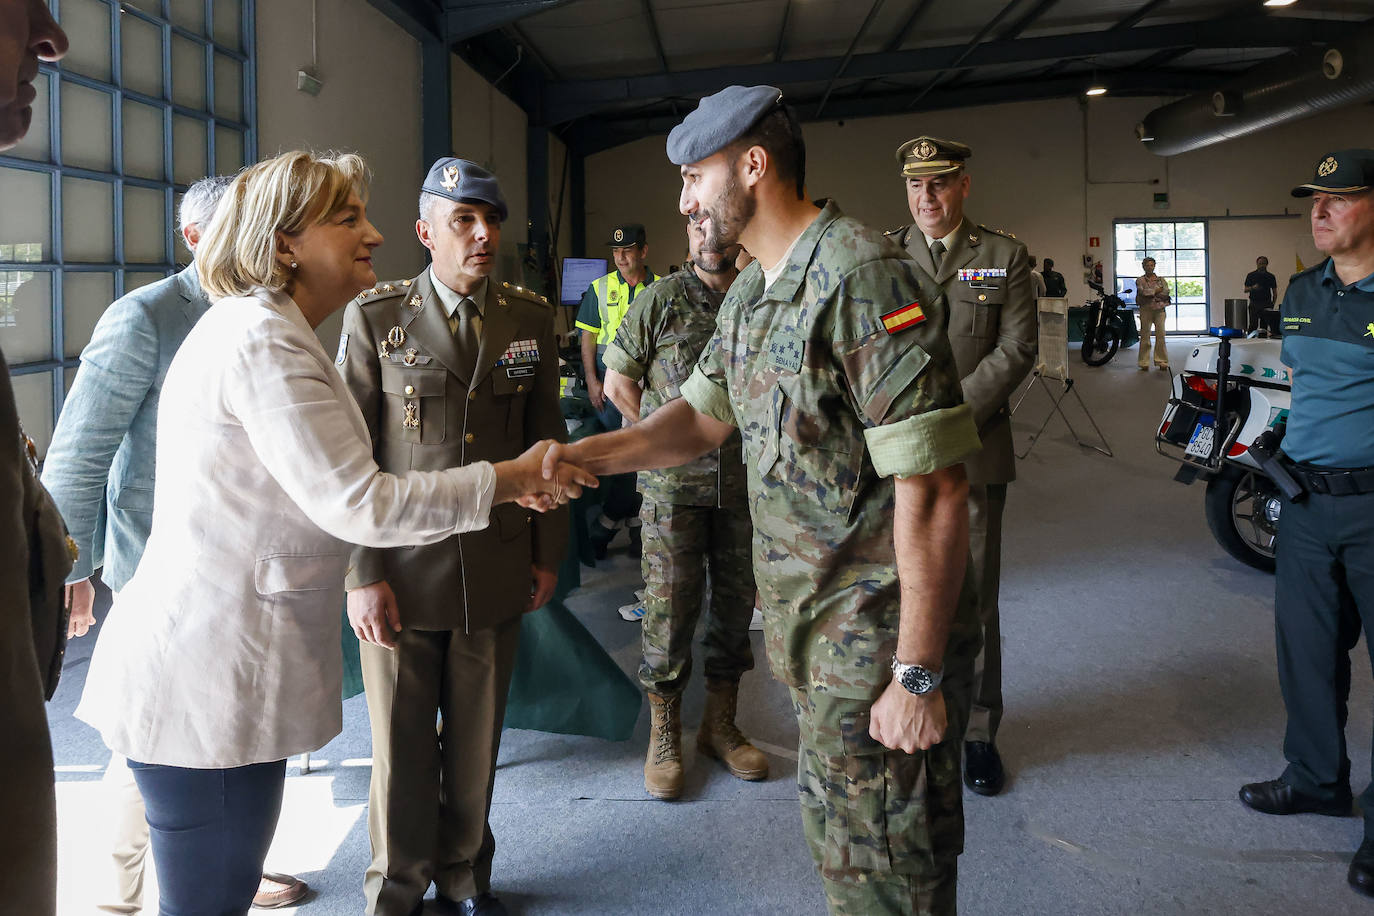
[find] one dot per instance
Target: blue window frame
(153, 95)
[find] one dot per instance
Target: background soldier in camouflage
(695, 516)
(992, 329)
(830, 356)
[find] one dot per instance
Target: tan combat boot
(663, 765)
(718, 737)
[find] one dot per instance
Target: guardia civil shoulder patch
(903, 318)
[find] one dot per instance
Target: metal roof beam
(421, 18)
(602, 134)
(465, 19)
(1026, 20)
(577, 98)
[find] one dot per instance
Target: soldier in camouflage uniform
(831, 357)
(695, 517)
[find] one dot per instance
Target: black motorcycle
(1104, 325)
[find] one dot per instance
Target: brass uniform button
(410, 391)
(470, 437)
(982, 297)
(519, 387)
(472, 395)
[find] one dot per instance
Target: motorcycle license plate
(1200, 446)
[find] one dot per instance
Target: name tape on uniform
(343, 350)
(904, 317)
(982, 273)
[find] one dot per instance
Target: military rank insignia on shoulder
(385, 291)
(528, 294)
(905, 317)
(1002, 232)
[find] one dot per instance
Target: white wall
(1029, 178)
(370, 104)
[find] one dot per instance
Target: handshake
(523, 480)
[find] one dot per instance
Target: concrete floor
(1140, 693)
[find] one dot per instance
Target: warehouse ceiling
(604, 72)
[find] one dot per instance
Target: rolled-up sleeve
(705, 388)
(904, 382)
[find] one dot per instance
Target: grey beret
(720, 120)
(459, 179)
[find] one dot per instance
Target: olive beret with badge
(926, 157)
(627, 235)
(461, 180)
(719, 120)
(1346, 171)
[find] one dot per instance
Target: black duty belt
(1334, 481)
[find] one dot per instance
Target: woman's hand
(522, 480)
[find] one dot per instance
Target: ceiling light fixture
(1279, 2)
(1097, 90)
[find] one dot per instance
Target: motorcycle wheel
(1100, 351)
(1242, 508)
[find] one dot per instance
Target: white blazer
(223, 649)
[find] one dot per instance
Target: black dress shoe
(983, 771)
(1278, 797)
(1361, 874)
(484, 904)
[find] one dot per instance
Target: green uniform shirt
(838, 376)
(659, 341)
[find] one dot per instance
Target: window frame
(58, 364)
(1173, 284)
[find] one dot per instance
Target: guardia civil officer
(830, 357)
(1324, 587)
(599, 315)
(986, 276)
(449, 367)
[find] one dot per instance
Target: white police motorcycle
(1228, 395)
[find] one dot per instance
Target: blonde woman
(222, 659)
(1152, 296)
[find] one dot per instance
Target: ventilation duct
(1309, 83)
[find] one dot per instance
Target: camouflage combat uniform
(837, 384)
(694, 515)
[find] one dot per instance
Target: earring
(294, 265)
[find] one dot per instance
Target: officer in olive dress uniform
(830, 358)
(992, 329)
(449, 367)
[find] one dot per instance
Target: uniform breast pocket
(674, 363)
(978, 310)
(415, 408)
(819, 450)
(510, 386)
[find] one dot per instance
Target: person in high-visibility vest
(604, 305)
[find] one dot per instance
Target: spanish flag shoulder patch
(903, 318)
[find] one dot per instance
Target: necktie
(464, 327)
(937, 253)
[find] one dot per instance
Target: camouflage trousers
(681, 543)
(885, 827)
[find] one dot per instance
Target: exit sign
(1162, 201)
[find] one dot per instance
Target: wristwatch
(916, 679)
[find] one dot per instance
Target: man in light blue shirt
(100, 470)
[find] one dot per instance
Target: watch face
(916, 679)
